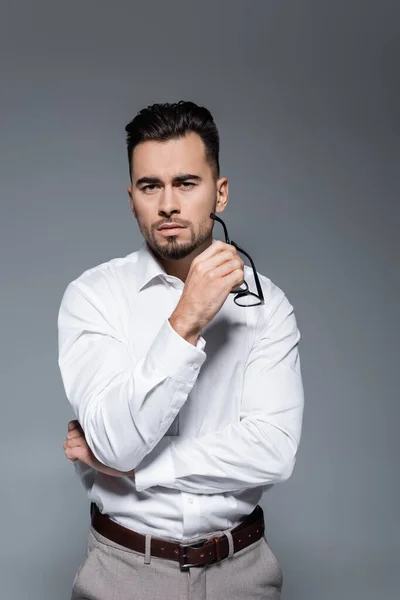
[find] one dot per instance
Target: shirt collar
(148, 267)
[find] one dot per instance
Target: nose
(168, 202)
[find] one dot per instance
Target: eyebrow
(176, 179)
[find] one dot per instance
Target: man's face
(172, 182)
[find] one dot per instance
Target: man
(186, 387)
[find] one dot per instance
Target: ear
(222, 194)
(129, 190)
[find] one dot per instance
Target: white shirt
(205, 427)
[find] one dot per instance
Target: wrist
(188, 330)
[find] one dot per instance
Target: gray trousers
(112, 572)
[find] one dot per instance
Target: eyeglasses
(243, 296)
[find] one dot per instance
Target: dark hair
(162, 122)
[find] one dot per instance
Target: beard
(172, 248)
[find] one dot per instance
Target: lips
(170, 227)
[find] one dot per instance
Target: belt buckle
(183, 553)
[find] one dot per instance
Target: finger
(75, 443)
(234, 279)
(235, 264)
(223, 257)
(216, 247)
(71, 455)
(81, 454)
(226, 255)
(73, 425)
(74, 433)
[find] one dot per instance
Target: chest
(215, 398)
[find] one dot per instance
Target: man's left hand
(76, 448)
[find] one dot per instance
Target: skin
(188, 201)
(172, 181)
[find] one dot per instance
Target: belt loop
(230, 543)
(147, 549)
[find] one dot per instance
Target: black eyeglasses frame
(241, 293)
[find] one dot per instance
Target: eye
(187, 185)
(149, 188)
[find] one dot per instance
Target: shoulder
(102, 281)
(276, 304)
(108, 270)
(273, 294)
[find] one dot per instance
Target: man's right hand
(213, 274)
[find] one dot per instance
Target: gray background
(306, 98)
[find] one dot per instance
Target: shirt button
(190, 500)
(195, 367)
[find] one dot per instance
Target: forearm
(124, 406)
(261, 448)
(255, 452)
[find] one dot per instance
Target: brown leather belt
(188, 555)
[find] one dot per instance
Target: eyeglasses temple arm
(215, 218)
(258, 285)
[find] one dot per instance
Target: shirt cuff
(175, 356)
(157, 468)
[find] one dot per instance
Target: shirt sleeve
(259, 450)
(124, 406)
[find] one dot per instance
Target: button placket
(191, 514)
